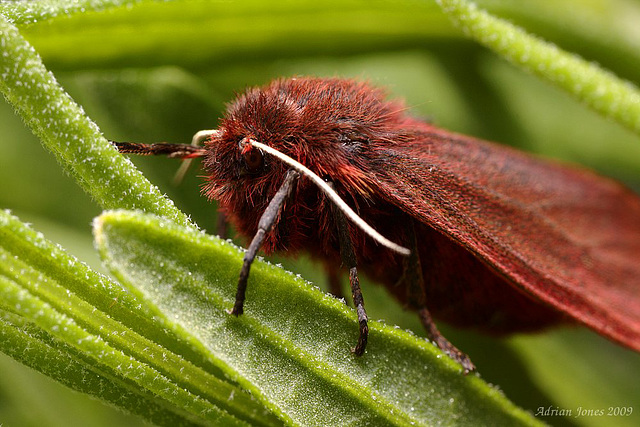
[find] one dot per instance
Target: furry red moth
(499, 240)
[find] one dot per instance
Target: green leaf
(83, 330)
(72, 137)
(291, 348)
(598, 88)
(21, 12)
(409, 47)
(39, 350)
(603, 30)
(202, 33)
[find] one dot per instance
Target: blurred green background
(161, 71)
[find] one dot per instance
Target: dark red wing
(568, 237)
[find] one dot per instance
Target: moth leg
(349, 260)
(358, 301)
(413, 275)
(221, 224)
(267, 220)
(335, 284)
(443, 343)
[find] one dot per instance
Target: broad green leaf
(61, 314)
(291, 348)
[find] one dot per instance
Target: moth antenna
(176, 151)
(335, 198)
(197, 141)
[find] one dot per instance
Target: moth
(476, 234)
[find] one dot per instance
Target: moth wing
(565, 236)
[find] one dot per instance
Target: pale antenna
(335, 198)
(198, 139)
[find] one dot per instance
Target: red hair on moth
(501, 241)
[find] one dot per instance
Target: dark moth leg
(414, 279)
(349, 260)
(335, 284)
(267, 220)
(221, 224)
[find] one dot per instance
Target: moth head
(328, 125)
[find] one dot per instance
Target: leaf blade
(292, 344)
(70, 135)
(600, 89)
(155, 382)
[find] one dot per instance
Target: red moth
(500, 241)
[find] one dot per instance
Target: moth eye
(253, 160)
